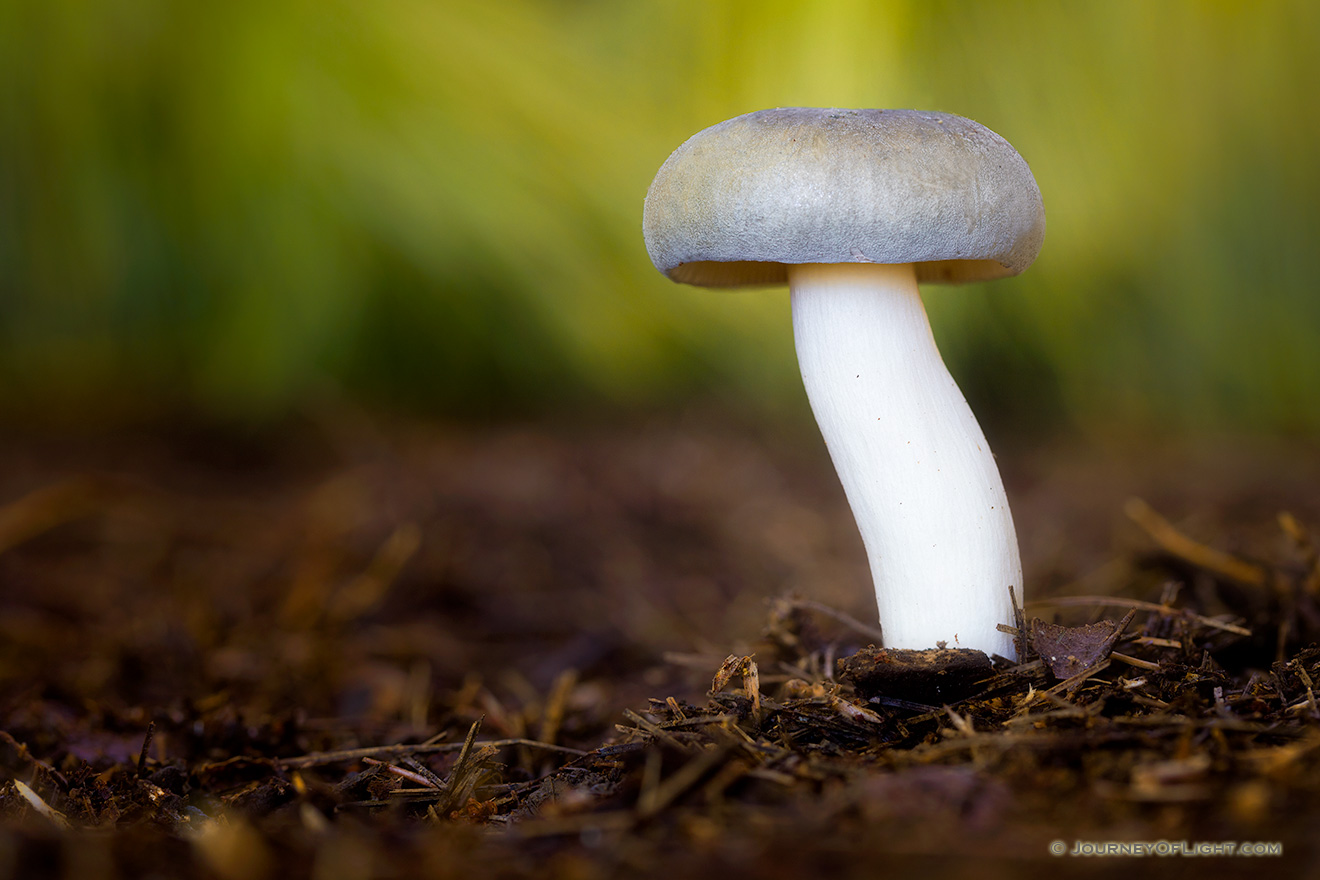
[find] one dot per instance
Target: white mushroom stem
(914, 464)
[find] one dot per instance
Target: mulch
(349, 651)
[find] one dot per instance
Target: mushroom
(853, 208)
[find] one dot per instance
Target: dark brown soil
(352, 650)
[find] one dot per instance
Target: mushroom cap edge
(739, 201)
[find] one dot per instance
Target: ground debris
(365, 676)
(1069, 650)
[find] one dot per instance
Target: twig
(1119, 602)
(663, 794)
(466, 774)
(847, 620)
(553, 715)
(146, 744)
(1305, 544)
(655, 730)
(51, 506)
(315, 759)
(1133, 661)
(1019, 633)
(466, 750)
(1076, 680)
(423, 771)
(1175, 542)
(404, 773)
(1153, 642)
(43, 809)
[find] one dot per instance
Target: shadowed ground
(535, 615)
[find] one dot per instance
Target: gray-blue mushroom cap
(743, 199)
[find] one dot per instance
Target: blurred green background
(233, 208)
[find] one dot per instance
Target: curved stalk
(917, 471)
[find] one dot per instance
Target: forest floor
(355, 649)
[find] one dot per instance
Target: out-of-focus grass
(233, 206)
